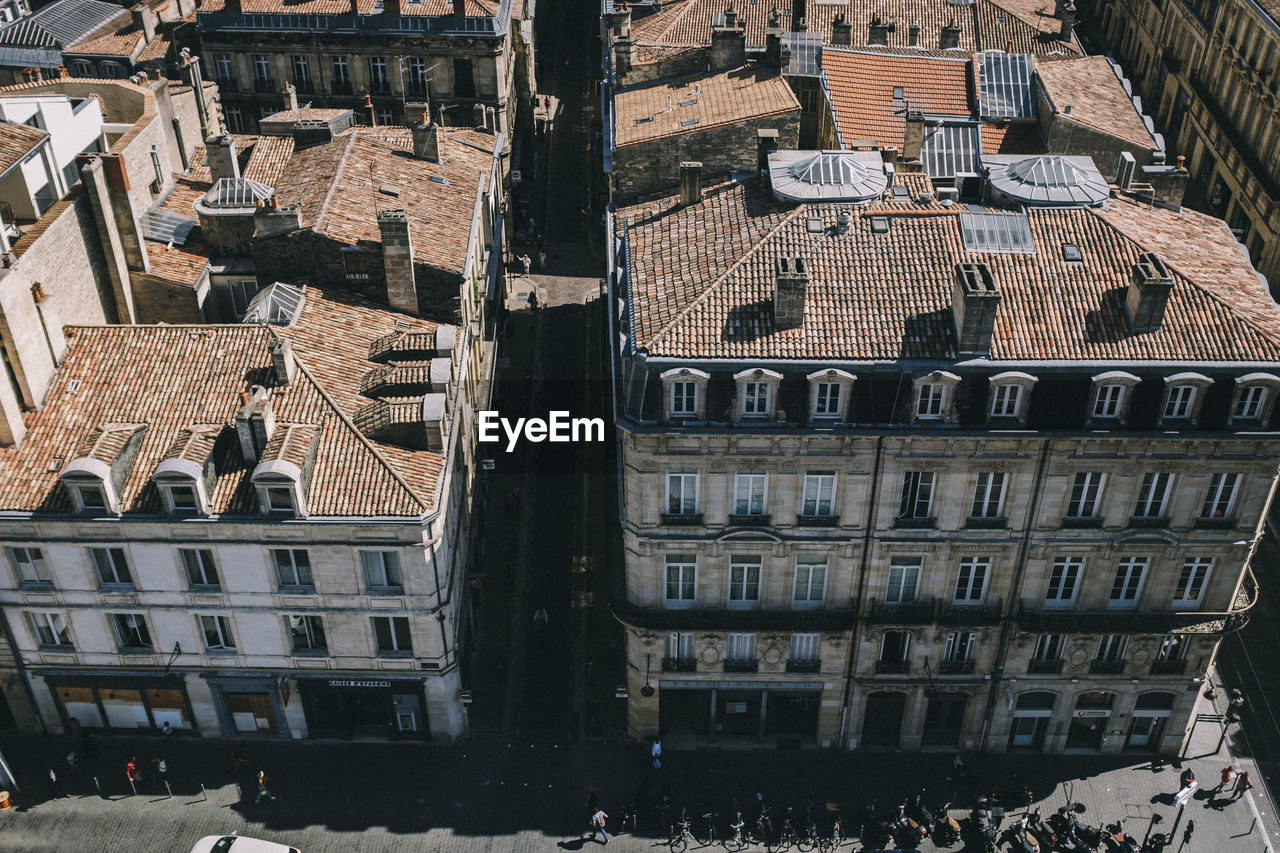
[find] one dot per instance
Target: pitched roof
(862, 90)
(261, 158)
(306, 113)
(62, 23)
(1092, 93)
(1012, 25)
(475, 8)
(1020, 138)
(16, 142)
(888, 296)
(180, 379)
(687, 104)
(340, 185)
(125, 41)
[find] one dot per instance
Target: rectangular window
(131, 631)
(684, 399)
(279, 500)
(378, 83)
(1127, 585)
(419, 83)
(464, 82)
(1153, 495)
(917, 495)
(811, 581)
(894, 646)
(826, 400)
(988, 497)
(1191, 584)
(1064, 580)
(301, 73)
(182, 499)
(682, 493)
(959, 646)
(904, 580)
(223, 69)
(262, 73)
(1085, 492)
(742, 647)
(748, 493)
(818, 499)
(744, 581)
(235, 119)
(1221, 497)
(804, 647)
(216, 631)
(1049, 647)
(755, 399)
(678, 646)
(92, 498)
(1178, 405)
(50, 629)
(382, 570)
(356, 265)
(30, 565)
(306, 633)
(391, 634)
(971, 581)
(929, 401)
(1107, 403)
(340, 75)
(1005, 400)
(201, 571)
(1249, 403)
(1112, 647)
(1173, 647)
(681, 572)
(111, 565)
(293, 567)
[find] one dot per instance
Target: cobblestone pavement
(491, 795)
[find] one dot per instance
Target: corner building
(904, 473)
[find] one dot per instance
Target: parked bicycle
(832, 840)
(682, 832)
(788, 835)
(711, 819)
(736, 841)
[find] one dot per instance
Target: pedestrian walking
(526, 262)
(1188, 776)
(131, 770)
(162, 767)
(263, 790)
(167, 728)
(1243, 783)
(1224, 780)
(542, 260)
(55, 789)
(73, 763)
(598, 825)
(655, 752)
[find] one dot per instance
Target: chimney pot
(690, 182)
(220, 154)
(790, 292)
(255, 422)
(282, 361)
(397, 261)
(1150, 284)
(841, 31)
(623, 51)
(950, 36)
(974, 300)
(426, 140)
(1125, 169)
(1068, 20)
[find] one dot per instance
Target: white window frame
(1109, 400)
(224, 69)
(262, 68)
(1049, 647)
(929, 399)
(99, 502)
(1178, 403)
(120, 624)
(905, 657)
(684, 393)
(810, 587)
(682, 486)
(1224, 488)
(287, 559)
(1193, 581)
(750, 491)
(746, 580)
(32, 557)
(756, 397)
(381, 571)
(1173, 647)
(199, 563)
(1112, 647)
(972, 579)
(242, 291)
(959, 646)
(170, 489)
(684, 398)
(903, 586)
(1127, 583)
(988, 495)
(803, 648)
(914, 484)
(395, 626)
(219, 626)
(105, 557)
(54, 625)
(1153, 495)
(1006, 400)
(280, 499)
(684, 581)
(1249, 403)
(828, 400)
(741, 646)
(678, 646)
(1254, 397)
(1064, 583)
(1090, 494)
(309, 623)
(819, 493)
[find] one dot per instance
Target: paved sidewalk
(518, 797)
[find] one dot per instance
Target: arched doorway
(882, 725)
(1089, 720)
(943, 719)
(1150, 713)
(1031, 718)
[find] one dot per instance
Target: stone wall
(160, 301)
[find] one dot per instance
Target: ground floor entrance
(356, 707)
(250, 704)
(105, 702)
(882, 725)
(1089, 720)
(752, 709)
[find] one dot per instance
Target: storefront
(750, 708)
(364, 707)
(1150, 715)
(248, 705)
(1031, 720)
(1089, 720)
(121, 702)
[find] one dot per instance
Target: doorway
(943, 719)
(1150, 713)
(792, 713)
(1031, 720)
(1089, 720)
(882, 725)
(684, 711)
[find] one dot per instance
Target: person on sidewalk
(162, 767)
(525, 262)
(533, 300)
(263, 790)
(597, 825)
(1188, 776)
(1243, 783)
(1225, 779)
(55, 789)
(73, 763)
(131, 770)
(656, 753)
(167, 729)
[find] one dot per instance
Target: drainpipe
(22, 673)
(1013, 605)
(854, 644)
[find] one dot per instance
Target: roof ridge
(300, 361)
(678, 17)
(334, 183)
(764, 238)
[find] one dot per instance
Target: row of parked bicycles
(821, 826)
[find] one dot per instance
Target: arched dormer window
(1183, 396)
(279, 486)
(684, 394)
(88, 484)
(1010, 396)
(757, 398)
(1112, 392)
(829, 394)
(934, 396)
(185, 477)
(94, 477)
(1254, 399)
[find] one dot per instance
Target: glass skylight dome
(850, 176)
(1052, 180)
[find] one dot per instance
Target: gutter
(846, 707)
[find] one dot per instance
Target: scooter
(1120, 840)
(1075, 832)
(919, 811)
(1042, 831)
(877, 831)
(1023, 835)
(908, 827)
(985, 819)
(946, 829)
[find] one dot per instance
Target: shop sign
(464, 696)
(735, 707)
(1093, 712)
(343, 682)
(620, 692)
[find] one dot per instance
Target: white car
(234, 843)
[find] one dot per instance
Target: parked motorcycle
(985, 819)
(1024, 837)
(1075, 833)
(946, 829)
(907, 827)
(1042, 831)
(919, 813)
(1118, 839)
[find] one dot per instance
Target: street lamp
(647, 690)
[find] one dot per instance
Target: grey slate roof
(60, 24)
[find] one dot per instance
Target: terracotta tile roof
(701, 284)
(125, 41)
(475, 8)
(16, 142)
(862, 90)
(178, 264)
(268, 158)
(182, 381)
(306, 113)
(1002, 28)
(157, 48)
(1021, 138)
(699, 101)
(1090, 88)
(339, 185)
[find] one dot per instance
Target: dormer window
(755, 399)
(933, 396)
(684, 399)
(1111, 393)
(929, 401)
(685, 394)
(1178, 403)
(90, 497)
(829, 393)
(279, 500)
(757, 392)
(1010, 395)
(1249, 403)
(1254, 398)
(1106, 403)
(182, 500)
(94, 476)
(1183, 396)
(186, 476)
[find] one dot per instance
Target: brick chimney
(728, 46)
(766, 144)
(426, 140)
(391, 7)
(255, 422)
(623, 51)
(950, 36)
(690, 182)
(913, 139)
(282, 362)
(878, 31)
(1150, 284)
(397, 260)
(841, 31)
(460, 8)
(1168, 183)
(144, 18)
(1068, 15)
(777, 53)
(974, 300)
(290, 97)
(220, 154)
(913, 34)
(799, 16)
(792, 285)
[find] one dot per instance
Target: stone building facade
(867, 508)
(1207, 69)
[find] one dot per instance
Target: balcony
(915, 523)
(682, 519)
(380, 87)
(955, 667)
(264, 84)
(978, 523)
(679, 665)
(1168, 667)
(1075, 523)
(1215, 524)
(304, 86)
(741, 664)
(817, 521)
(971, 614)
(831, 619)
(340, 87)
(1107, 667)
(906, 613)
(1159, 522)
(1044, 667)
(892, 667)
(804, 665)
(750, 520)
